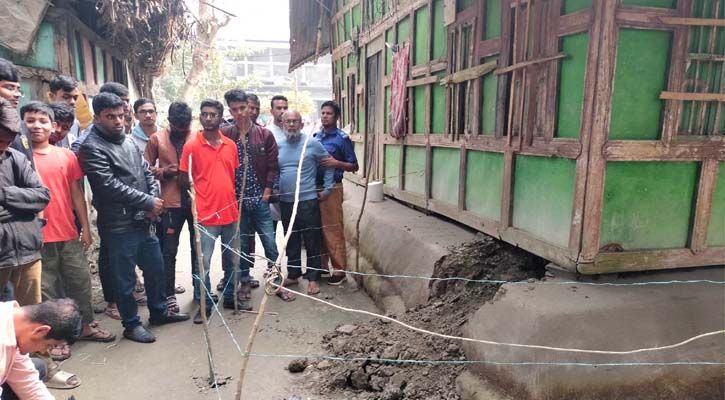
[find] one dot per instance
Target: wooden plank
(552, 70)
(469, 73)
(390, 21)
(705, 188)
(686, 96)
(487, 48)
(606, 263)
(507, 189)
(605, 35)
(706, 57)
(419, 70)
(525, 64)
(344, 9)
(462, 171)
(644, 17)
(576, 22)
(408, 197)
(438, 65)
(673, 109)
(701, 148)
(421, 81)
(503, 82)
(563, 148)
(529, 242)
(342, 50)
(692, 21)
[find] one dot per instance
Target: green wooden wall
(716, 229)
(43, 53)
(484, 177)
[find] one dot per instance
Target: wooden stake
(202, 271)
(237, 236)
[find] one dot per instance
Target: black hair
(37, 107)
(213, 103)
(180, 113)
(9, 117)
(62, 315)
(8, 71)
(63, 82)
(275, 98)
(115, 88)
(63, 112)
(138, 103)
(252, 98)
(104, 101)
(332, 104)
(235, 95)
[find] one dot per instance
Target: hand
(158, 207)
(157, 172)
(171, 171)
(267, 195)
(330, 162)
(86, 240)
(321, 196)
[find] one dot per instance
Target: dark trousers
(7, 392)
(104, 271)
(126, 251)
(307, 227)
(172, 221)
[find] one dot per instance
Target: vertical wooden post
(703, 206)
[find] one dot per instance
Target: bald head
(292, 123)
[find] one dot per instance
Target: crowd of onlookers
(244, 177)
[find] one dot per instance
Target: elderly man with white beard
(307, 224)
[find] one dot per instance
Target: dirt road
(175, 367)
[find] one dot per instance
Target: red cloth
(398, 92)
(213, 173)
(58, 169)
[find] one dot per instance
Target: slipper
(139, 287)
(179, 289)
(245, 291)
(253, 283)
(286, 295)
(291, 282)
(94, 323)
(62, 380)
(98, 335)
(313, 291)
(113, 313)
(60, 352)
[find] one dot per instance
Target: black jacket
(123, 186)
(22, 196)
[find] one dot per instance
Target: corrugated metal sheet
(19, 22)
(309, 22)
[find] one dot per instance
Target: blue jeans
(208, 238)
(126, 251)
(258, 219)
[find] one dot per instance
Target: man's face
(39, 125)
(146, 115)
(179, 129)
(6, 138)
(66, 97)
(11, 92)
(126, 105)
(328, 117)
(210, 118)
(279, 107)
(36, 340)
(253, 108)
(292, 125)
(239, 110)
(61, 131)
(111, 119)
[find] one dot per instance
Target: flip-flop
(244, 292)
(99, 335)
(60, 352)
(253, 283)
(62, 380)
(313, 292)
(179, 289)
(139, 287)
(286, 296)
(291, 282)
(112, 313)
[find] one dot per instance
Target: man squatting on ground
(257, 153)
(125, 194)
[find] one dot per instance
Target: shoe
(325, 271)
(220, 285)
(172, 304)
(242, 305)
(197, 317)
(139, 334)
(170, 318)
(336, 280)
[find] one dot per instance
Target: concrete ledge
(397, 240)
(604, 318)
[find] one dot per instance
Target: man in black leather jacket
(125, 195)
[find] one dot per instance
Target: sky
(255, 19)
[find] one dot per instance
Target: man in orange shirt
(64, 266)
(214, 161)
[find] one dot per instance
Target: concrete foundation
(397, 240)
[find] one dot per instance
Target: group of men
(245, 178)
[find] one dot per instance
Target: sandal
(140, 299)
(139, 286)
(313, 290)
(98, 335)
(245, 291)
(291, 281)
(179, 289)
(57, 379)
(253, 283)
(172, 305)
(113, 313)
(286, 295)
(60, 352)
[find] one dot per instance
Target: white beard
(292, 136)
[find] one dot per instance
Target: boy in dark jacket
(22, 197)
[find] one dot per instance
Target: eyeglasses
(209, 115)
(146, 112)
(292, 121)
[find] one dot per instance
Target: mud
(387, 376)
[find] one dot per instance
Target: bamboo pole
(202, 271)
(237, 234)
(282, 253)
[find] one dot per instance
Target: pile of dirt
(384, 345)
